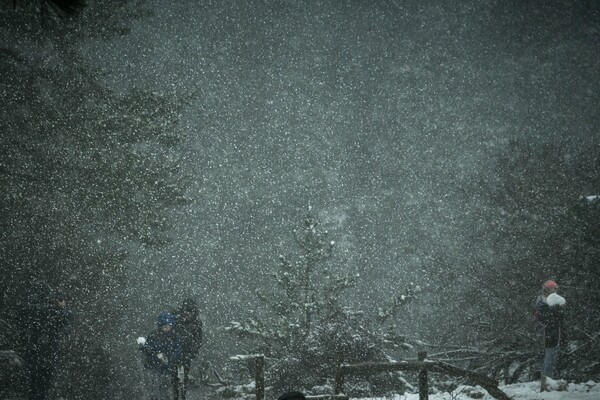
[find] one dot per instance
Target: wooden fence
(422, 365)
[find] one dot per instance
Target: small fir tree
(307, 329)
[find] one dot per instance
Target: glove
(162, 358)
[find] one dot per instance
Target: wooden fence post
(339, 375)
(260, 377)
(423, 366)
(423, 385)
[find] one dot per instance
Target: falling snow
(446, 152)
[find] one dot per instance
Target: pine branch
(69, 7)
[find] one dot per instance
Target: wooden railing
(259, 372)
(422, 365)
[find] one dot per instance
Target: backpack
(537, 308)
(537, 315)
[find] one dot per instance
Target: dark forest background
(152, 152)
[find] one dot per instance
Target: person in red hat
(548, 310)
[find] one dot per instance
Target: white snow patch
(519, 391)
(554, 299)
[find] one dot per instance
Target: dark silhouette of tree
(69, 7)
(532, 224)
(89, 174)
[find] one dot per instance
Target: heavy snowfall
(243, 198)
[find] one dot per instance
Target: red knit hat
(550, 284)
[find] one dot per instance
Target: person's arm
(546, 314)
(177, 350)
(149, 347)
(196, 338)
(199, 333)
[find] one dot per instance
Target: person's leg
(32, 384)
(175, 385)
(153, 382)
(166, 386)
(549, 368)
(186, 376)
(39, 383)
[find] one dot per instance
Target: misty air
(300, 200)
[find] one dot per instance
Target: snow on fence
(259, 378)
(422, 365)
(259, 372)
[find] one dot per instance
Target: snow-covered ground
(519, 391)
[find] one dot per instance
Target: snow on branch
(591, 199)
(245, 357)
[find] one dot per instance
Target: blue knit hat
(165, 318)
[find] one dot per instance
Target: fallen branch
(484, 381)
(221, 381)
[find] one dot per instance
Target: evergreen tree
(530, 225)
(306, 329)
(89, 174)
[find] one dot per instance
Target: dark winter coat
(189, 328)
(42, 323)
(167, 343)
(551, 318)
(41, 326)
(190, 332)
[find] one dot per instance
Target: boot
(543, 386)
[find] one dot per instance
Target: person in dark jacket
(549, 311)
(42, 320)
(163, 349)
(189, 329)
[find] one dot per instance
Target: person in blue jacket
(162, 349)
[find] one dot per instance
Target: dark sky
(377, 114)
